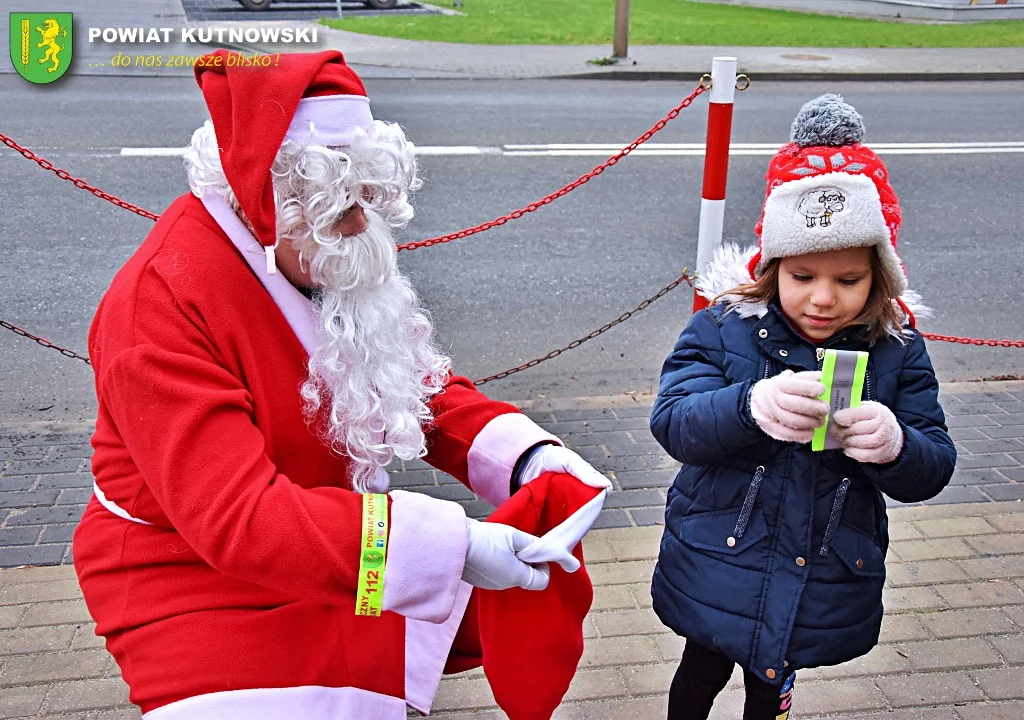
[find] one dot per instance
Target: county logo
(41, 45)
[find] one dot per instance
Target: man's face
(353, 222)
(824, 292)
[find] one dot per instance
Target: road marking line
(420, 150)
(152, 152)
(658, 149)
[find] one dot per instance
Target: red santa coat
(219, 556)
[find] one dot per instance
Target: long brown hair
(879, 313)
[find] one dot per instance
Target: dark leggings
(704, 673)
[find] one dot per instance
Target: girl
(773, 555)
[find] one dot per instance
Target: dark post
(620, 47)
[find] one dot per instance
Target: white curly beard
(375, 365)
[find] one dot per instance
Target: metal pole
(716, 164)
(620, 46)
(338, 3)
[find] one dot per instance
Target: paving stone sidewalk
(952, 645)
(953, 639)
(45, 479)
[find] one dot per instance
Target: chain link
(516, 214)
(685, 277)
(44, 342)
(77, 182)
(973, 341)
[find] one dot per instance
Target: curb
(405, 73)
(647, 400)
(596, 402)
(396, 73)
(667, 75)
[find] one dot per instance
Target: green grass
(672, 22)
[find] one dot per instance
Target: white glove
(557, 543)
(786, 407)
(869, 433)
(554, 458)
(491, 561)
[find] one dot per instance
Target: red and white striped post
(716, 164)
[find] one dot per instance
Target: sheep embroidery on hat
(818, 206)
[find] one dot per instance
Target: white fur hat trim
(826, 212)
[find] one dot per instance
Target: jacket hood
(728, 270)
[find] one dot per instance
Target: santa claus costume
(220, 553)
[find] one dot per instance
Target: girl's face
(822, 293)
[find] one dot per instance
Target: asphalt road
(519, 291)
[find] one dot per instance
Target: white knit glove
(555, 458)
(869, 433)
(786, 407)
(491, 561)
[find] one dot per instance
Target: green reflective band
(842, 373)
(373, 553)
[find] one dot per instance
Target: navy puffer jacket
(774, 554)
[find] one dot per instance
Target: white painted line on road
(456, 150)
(657, 149)
(754, 149)
(420, 150)
(152, 152)
(751, 146)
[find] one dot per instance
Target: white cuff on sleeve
(495, 451)
(426, 553)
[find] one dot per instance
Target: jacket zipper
(819, 355)
(748, 503)
(819, 352)
(833, 520)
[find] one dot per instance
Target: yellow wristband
(373, 553)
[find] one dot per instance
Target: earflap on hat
(254, 108)
(826, 191)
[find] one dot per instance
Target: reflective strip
(114, 507)
(842, 374)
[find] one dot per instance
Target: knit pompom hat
(827, 191)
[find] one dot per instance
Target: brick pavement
(45, 480)
(953, 638)
(952, 644)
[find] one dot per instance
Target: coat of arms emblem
(41, 45)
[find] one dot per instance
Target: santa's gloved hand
(554, 458)
(557, 544)
(491, 562)
(869, 433)
(786, 407)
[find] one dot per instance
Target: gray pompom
(827, 120)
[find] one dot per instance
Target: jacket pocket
(858, 552)
(715, 531)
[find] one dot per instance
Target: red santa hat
(306, 97)
(827, 191)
